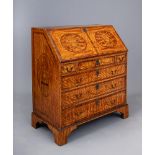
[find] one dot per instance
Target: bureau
(78, 74)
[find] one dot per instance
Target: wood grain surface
(78, 74)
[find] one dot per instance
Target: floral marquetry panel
(72, 43)
(105, 39)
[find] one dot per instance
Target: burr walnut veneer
(78, 74)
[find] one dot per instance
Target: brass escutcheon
(97, 62)
(97, 86)
(97, 72)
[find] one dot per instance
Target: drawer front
(90, 64)
(97, 62)
(121, 58)
(80, 112)
(76, 80)
(98, 74)
(69, 98)
(110, 86)
(99, 105)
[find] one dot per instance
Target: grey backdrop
(110, 135)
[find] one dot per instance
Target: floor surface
(109, 135)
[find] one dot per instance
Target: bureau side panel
(45, 80)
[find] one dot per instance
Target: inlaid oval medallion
(43, 74)
(73, 42)
(105, 39)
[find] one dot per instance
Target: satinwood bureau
(78, 74)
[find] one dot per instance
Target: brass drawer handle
(113, 102)
(97, 86)
(78, 96)
(113, 72)
(78, 113)
(120, 59)
(97, 72)
(97, 62)
(69, 69)
(97, 101)
(113, 85)
(78, 80)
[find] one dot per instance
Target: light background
(109, 135)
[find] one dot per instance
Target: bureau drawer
(70, 97)
(97, 62)
(88, 77)
(87, 110)
(90, 64)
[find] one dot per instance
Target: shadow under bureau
(78, 74)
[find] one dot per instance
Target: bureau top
(71, 43)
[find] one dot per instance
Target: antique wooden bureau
(78, 74)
